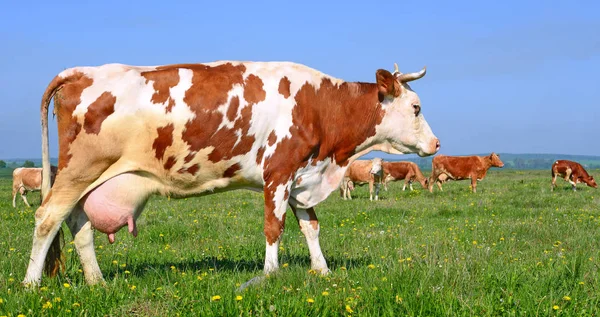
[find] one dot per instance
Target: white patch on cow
(280, 200)
(181, 112)
(318, 182)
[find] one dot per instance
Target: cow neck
(347, 114)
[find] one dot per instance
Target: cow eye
(417, 109)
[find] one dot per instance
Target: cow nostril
(437, 145)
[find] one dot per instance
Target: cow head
(424, 182)
(591, 182)
(377, 166)
(403, 126)
(495, 160)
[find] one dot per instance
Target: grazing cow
(407, 171)
(128, 132)
(573, 173)
(363, 172)
(462, 167)
(28, 179)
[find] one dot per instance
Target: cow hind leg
(309, 225)
(83, 236)
(24, 196)
(14, 195)
(45, 250)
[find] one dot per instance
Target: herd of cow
(376, 172)
(284, 129)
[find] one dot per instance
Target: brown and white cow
(128, 132)
(407, 171)
(28, 179)
(573, 173)
(363, 172)
(462, 167)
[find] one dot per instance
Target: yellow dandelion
(310, 300)
(285, 265)
(371, 266)
(398, 299)
(127, 272)
(215, 298)
(349, 309)
(161, 235)
(115, 262)
(123, 265)
(21, 315)
(325, 293)
(238, 298)
(75, 305)
(57, 299)
(47, 305)
(67, 285)
(581, 283)
(474, 242)
(567, 298)
(133, 287)
(555, 307)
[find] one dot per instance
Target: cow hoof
(254, 281)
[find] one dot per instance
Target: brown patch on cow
(65, 102)
(163, 140)
(284, 87)
(314, 222)
(229, 172)
(333, 130)
(272, 138)
(253, 89)
(273, 226)
(98, 111)
(209, 90)
(233, 107)
(190, 170)
(170, 162)
(286, 195)
(259, 155)
(298, 181)
(188, 158)
(163, 81)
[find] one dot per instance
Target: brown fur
(163, 140)
(462, 167)
(98, 111)
(284, 87)
(407, 171)
(163, 80)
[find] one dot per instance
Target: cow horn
(396, 70)
(404, 78)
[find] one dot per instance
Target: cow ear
(387, 84)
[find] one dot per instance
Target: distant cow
(28, 179)
(461, 167)
(407, 171)
(572, 172)
(363, 172)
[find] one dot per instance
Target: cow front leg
(553, 185)
(474, 183)
(83, 236)
(276, 198)
(14, 193)
(309, 225)
(377, 187)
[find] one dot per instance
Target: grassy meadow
(513, 248)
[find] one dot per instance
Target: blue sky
(504, 76)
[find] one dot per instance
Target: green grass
(514, 248)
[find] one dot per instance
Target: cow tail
(54, 258)
(51, 90)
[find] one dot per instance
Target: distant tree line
(27, 163)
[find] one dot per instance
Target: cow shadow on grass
(222, 264)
